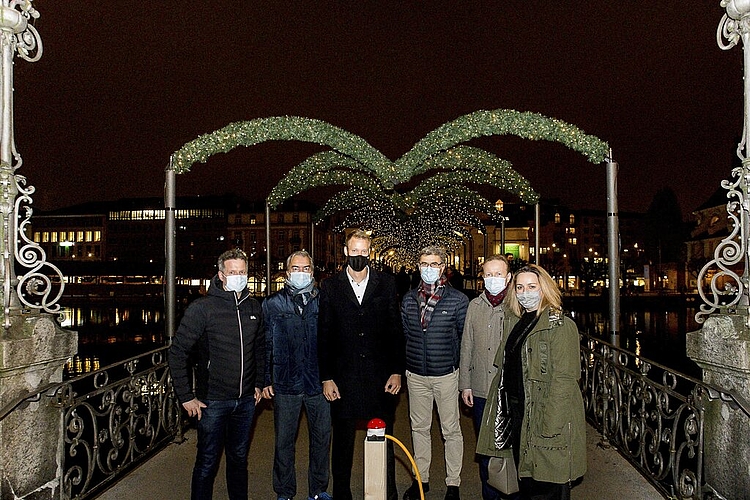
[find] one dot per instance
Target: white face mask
(495, 284)
(299, 280)
(236, 282)
(429, 274)
(529, 300)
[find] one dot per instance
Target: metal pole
(170, 236)
(502, 236)
(613, 251)
(268, 248)
(537, 216)
(312, 241)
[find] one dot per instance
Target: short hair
(360, 235)
(498, 257)
(233, 254)
(551, 296)
(434, 250)
(298, 253)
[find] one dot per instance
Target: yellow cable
(413, 464)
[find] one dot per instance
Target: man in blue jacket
(433, 318)
(225, 331)
(293, 379)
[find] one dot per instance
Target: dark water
(110, 334)
(655, 333)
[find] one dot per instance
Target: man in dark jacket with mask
(433, 317)
(360, 348)
(293, 380)
(225, 331)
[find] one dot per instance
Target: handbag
(502, 475)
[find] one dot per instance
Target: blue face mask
(430, 274)
(299, 280)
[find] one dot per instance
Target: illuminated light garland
(438, 209)
(280, 128)
(526, 125)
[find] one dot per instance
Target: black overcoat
(360, 346)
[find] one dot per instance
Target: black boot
(452, 493)
(413, 492)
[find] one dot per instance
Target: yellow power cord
(411, 459)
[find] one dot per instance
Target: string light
(438, 210)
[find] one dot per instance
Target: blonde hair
(551, 296)
(360, 235)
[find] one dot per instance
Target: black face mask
(357, 262)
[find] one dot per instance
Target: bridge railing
(112, 419)
(652, 414)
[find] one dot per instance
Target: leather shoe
(452, 493)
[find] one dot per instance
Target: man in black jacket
(433, 317)
(360, 348)
(226, 330)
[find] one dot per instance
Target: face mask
(357, 262)
(529, 300)
(299, 280)
(430, 274)
(236, 282)
(494, 284)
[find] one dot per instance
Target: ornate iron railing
(652, 414)
(113, 419)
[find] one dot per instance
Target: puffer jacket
(435, 351)
(553, 432)
(223, 336)
(292, 344)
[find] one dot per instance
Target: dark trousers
(286, 412)
(224, 426)
(488, 492)
(342, 457)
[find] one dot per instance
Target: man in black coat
(359, 347)
(225, 330)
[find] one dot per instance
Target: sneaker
(321, 496)
(452, 493)
(413, 492)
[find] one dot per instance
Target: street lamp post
(33, 289)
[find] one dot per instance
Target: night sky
(122, 85)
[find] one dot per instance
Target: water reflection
(655, 333)
(110, 334)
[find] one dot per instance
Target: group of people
(341, 351)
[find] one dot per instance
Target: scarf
(429, 295)
(495, 300)
(301, 296)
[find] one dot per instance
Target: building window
(572, 219)
(79, 236)
(97, 236)
(557, 217)
(53, 236)
(280, 218)
(253, 220)
(238, 219)
(45, 237)
(89, 236)
(37, 236)
(295, 217)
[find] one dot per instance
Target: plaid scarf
(495, 300)
(429, 295)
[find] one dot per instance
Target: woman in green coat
(540, 369)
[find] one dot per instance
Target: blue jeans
(224, 425)
(488, 492)
(286, 411)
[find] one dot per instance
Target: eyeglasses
(297, 269)
(430, 264)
